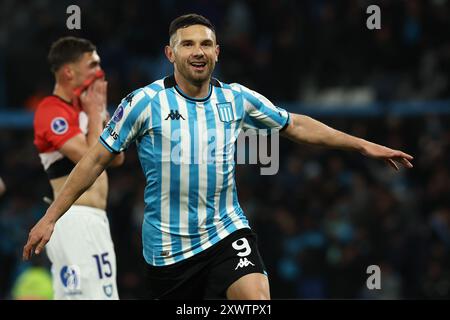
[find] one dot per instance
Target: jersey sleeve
(54, 125)
(130, 121)
(260, 113)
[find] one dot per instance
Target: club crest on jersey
(118, 114)
(59, 125)
(225, 111)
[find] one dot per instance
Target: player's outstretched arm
(304, 129)
(80, 179)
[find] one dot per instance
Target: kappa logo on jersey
(243, 262)
(118, 114)
(59, 125)
(174, 115)
(129, 98)
(225, 111)
(280, 111)
(71, 277)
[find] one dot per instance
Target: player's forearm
(304, 129)
(80, 179)
(118, 160)
(95, 128)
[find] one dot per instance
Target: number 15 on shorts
(103, 265)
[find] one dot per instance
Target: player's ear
(217, 52)
(169, 53)
(67, 72)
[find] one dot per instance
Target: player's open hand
(38, 238)
(390, 156)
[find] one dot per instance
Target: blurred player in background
(196, 239)
(66, 125)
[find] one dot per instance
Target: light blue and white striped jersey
(186, 149)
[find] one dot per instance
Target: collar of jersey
(194, 99)
(63, 100)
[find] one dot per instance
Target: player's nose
(198, 52)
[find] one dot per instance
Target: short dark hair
(187, 20)
(66, 50)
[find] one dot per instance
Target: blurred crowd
(312, 50)
(321, 221)
(327, 215)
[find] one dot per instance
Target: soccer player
(196, 239)
(66, 125)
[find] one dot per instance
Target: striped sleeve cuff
(103, 142)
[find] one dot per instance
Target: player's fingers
(392, 164)
(406, 163)
(102, 87)
(402, 154)
(25, 253)
(91, 88)
(41, 246)
(27, 250)
(84, 96)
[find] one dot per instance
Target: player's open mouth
(198, 65)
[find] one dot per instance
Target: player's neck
(190, 89)
(63, 92)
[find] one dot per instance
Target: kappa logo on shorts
(243, 262)
(59, 125)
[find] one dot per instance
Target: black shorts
(208, 274)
